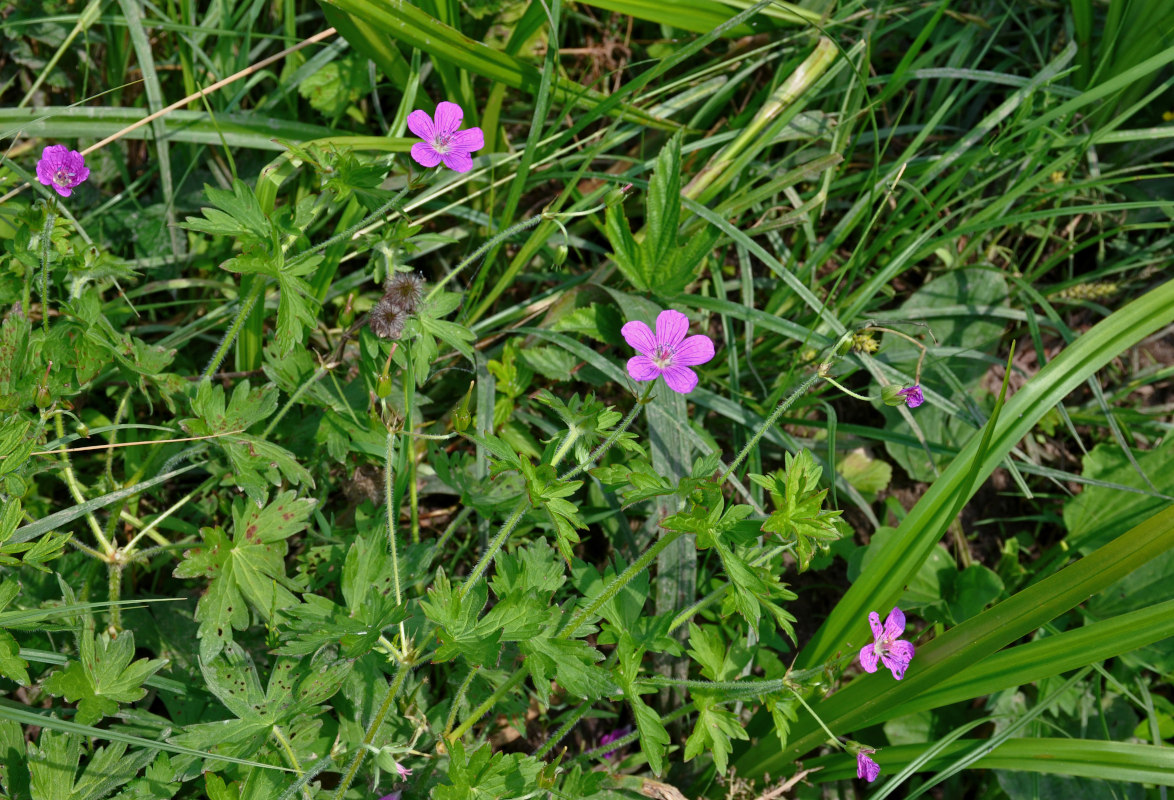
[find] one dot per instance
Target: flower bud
(560, 255)
(346, 317)
(43, 398)
(616, 196)
(383, 386)
(461, 418)
(890, 395)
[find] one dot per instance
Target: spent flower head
(403, 771)
(62, 168)
(387, 319)
(442, 140)
(893, 652)
(406, 289)
(667, 352)
(866, 768)
(912, 396)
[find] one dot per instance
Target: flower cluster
(401, 297)
(62, 169)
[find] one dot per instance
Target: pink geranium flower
(442, 140)
(866, 768)
(893, 652)
(62, 168)
(667, 352)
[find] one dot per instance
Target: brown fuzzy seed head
(387, 319)
(406, 289)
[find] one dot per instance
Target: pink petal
(680, 379)
(64, 191)
(424, 154)
(420, 124)
(896, 666)
(866, 768)
(641, 368)
(448, 117)
(897, 659)
(44, 172)
(894, 624)
(82, 174)
(469, 141)
(868, 658)
(671, 327)
(639, 337)
(693, 351)
(877, 631)
(458, 161)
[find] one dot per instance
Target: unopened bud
(346, 317)
(891, 395)
(383, 386)
(616, 196)
(560, 255)
(461, 418)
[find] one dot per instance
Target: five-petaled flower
(668, 352)
(866, 768)
(893, 652)
(442, 140)
(62, 168)
(912, 396)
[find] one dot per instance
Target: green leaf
(236, 214)
(572, 663)
(462, 632)
(251, 566)
(654, 739)
(662, 215)
(485, 775)
(799, 515)
(713, 731)
(257, 462)
(105, 676)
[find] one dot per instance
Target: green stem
(501, 237)
(372, 729)
(771, 420)
(76, 491)
(811, 711)
(257, 292)
(114, 575)
(280, 736)
(293, 398)
(845, 389)
(573, 720)
(618, 583)
(351, 231)
(496, 544)
(456, 703)
(46, 244)
(490, 702)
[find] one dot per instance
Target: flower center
(62, 177)
(663, 356)
(441, 144)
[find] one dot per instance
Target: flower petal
(671, 327)
(641, 368)
(639, 337)
(424, 155)
(82, 174)
(693, 351)
(680, 379)
(469, 141)
(420, 124)
(44, 172)
(448, 118)
(895, 665)
(898, 656)
(458, 161)
(894, 624)
(64, 191)
(868, 658)
(866, 768)
(874, 621)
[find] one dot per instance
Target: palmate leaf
(236, 214)
(461, 632)
(105, 676)
(799, 515)
(53, 761)
(257, 463)
(485, 775)
(713, 731)
(654, 739)
(249, 567)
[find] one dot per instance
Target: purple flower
(668, 353)
(912, 396)
(442, 140)
(893, 652)
(608, 738)
(62, 168)
(866, 768)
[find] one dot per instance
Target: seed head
(387, 319)
(406, 289)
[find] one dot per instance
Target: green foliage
(104, 676)
(799, 517)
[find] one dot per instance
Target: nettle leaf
(713, 731)
(105, 676)
(461, 631)
(257, 462)
(799, 515)
(251, 566)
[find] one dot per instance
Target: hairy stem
(771, 420)
(372, 729)
(496, 544)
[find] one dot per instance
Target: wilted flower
(62, 168)
(442, 140)
(668, 352)
(403, 771)
(912, 396)
(866, 768)
(387, 319)
(406, 289)
(893, 652)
